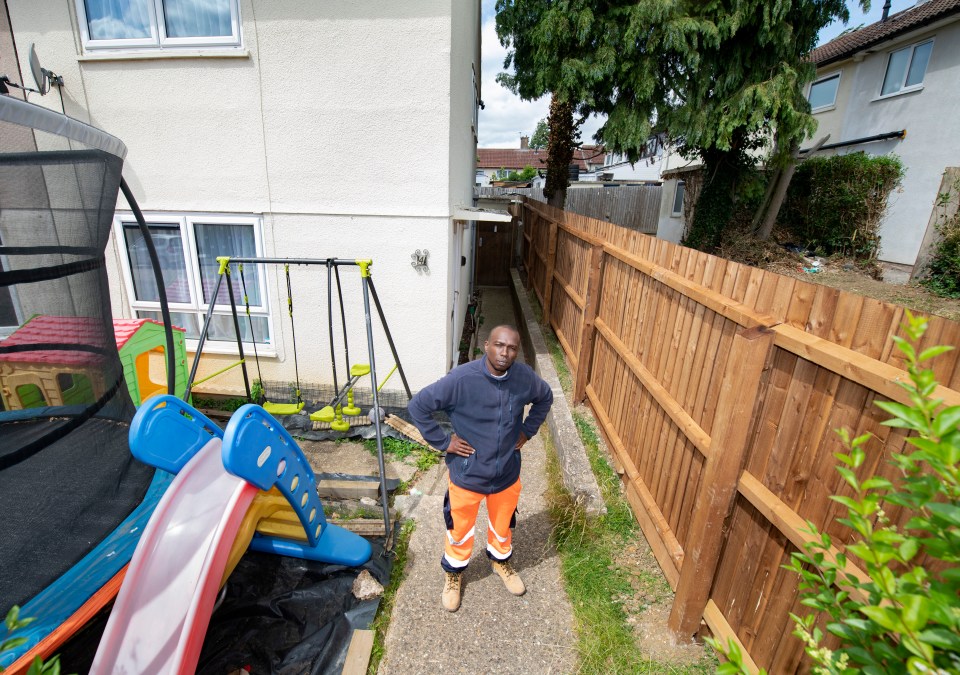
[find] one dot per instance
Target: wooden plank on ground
(358, 654)
(348, 489)
(408, 430)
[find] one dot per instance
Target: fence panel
(636, 207)
(730, 469)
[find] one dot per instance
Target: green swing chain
(293, 330)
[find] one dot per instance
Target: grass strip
(397, 574)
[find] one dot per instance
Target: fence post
(529, 228)
(718, 489)
(588, 330)
(551, 262)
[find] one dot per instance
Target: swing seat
(282, 408)
(359, 370)
(325, 414)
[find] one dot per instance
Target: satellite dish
(43, 77)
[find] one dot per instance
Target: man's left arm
(541, 401)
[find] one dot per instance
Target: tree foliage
(540, 136)
(718, 76)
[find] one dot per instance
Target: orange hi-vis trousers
(460, 513)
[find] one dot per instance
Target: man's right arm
(432, 398)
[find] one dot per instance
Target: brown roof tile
(516, 159)
(896, 24)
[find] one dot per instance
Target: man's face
(501, 348)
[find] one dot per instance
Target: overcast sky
(506, 118)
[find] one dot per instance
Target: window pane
(112, 20)
(189, 322)
(896, 68)
(221, 328)
(824, 92)
(169, 245)
(678, 198)
(918, 65)
(233, 241)
(197, 18)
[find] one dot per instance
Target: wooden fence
(636, 207)
(718, 387)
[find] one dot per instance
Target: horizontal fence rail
(636, 207)
(718, 388)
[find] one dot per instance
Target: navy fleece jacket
(486, 412)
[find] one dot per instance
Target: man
(485, 400)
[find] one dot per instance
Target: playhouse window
(158, 24)
(188, 247)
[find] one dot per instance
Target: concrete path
(493, 632)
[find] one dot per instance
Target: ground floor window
(188, 247)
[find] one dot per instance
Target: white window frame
(833, 104)
(681, 189)
(158, 39)
(906, 71)
(196, 305)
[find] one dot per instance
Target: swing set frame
(369, 290)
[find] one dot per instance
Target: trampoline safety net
(67, 478)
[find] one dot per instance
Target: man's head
(502, 348)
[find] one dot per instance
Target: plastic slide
(191, 542)
(161, 614)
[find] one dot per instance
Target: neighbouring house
(894, 87)
(240, 117)
(890, 87)
(657, 156)
(496, 163)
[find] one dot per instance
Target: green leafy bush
(904, 616)
(835, 204)
(942, 275)
(14, 622)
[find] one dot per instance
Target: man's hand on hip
(458, 446)
(520, 441)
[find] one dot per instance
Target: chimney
(886, 10)
(524, 142)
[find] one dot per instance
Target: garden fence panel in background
(660, 339)
(636, 207)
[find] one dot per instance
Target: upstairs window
(158, 24)
(823, 92)
(906, 68)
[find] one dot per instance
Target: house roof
(897, 24)
(517, 158)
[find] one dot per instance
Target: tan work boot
(451, 591)
(511, 579)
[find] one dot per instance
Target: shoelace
(453, 581)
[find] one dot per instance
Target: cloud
(505, 117)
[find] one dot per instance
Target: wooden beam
(358, 653)
(739, 390)
(792, 525)
(876, 375)
(664, 544)
(348, 489)
(588, 330)
(551, 262)
(670, 405)
(723, 631)
(569, 290)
